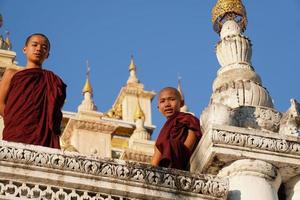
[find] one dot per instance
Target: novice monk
(179, 135)
(31, 98)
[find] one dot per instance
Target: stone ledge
(225, 144)
(68, 171)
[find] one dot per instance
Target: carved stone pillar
(292, 188)
(252, 179)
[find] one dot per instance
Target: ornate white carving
(217, 114)
(117, 169)
(255, 142)
(234, 49)
(235, 93)
(250, 167)
(290, 121)
(230, 27)
(263, 118)
(26, 190)
(140, 132)
(249, 176)
(95, 126)
(258, 118)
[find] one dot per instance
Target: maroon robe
(170, 142)
(32, 113)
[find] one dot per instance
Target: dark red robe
(32, 113)
(170, 141)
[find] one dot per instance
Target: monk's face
(36, 50)
(169, 102)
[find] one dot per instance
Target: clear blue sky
(166, 37)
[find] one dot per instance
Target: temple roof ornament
(225, 10)
(132, 70)
(87, 86)
(139, 114)
(184, 108)
(7, 41)
(4, 44)
(88, 103)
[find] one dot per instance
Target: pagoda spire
(87, 103)
(184, 108)
(87, 86)
(140, 131)
(139, 114)
(132, 72)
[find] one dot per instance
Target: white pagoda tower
(245, 139)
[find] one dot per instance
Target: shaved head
(177, 93)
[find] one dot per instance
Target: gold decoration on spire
(225, 10)
(139, 114)
(7, 41)
(132, 65)
(87, 86)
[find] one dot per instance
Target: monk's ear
(24, 49)
(47, 56)
(181, 103)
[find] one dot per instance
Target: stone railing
(34, 172)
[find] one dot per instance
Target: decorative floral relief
(254, 141)
(130, 171)
(18, 190)
(258, 117)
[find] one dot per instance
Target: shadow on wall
(234, 195)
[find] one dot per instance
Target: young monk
(31, 98)
(179, 135)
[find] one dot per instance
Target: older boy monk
(31, 98)
(179, 135)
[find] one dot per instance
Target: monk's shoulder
(9, 73)
(188, 116)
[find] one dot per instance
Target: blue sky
(166, 37)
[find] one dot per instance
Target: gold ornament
(225, 10)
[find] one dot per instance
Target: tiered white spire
(237, 84)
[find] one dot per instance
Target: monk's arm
(4, 86)
(156, 157)
(190, 140)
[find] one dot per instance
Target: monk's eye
(45, 47)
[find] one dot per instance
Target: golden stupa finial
(229, 10)
(7, 41)
(87, 86)
(139, 114)
(132, 65)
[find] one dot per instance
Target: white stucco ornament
(230, 28)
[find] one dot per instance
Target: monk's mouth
(169, 110)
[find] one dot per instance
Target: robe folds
(170, 141)
(32, 113)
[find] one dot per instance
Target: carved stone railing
(34, 172)
(222, 145)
